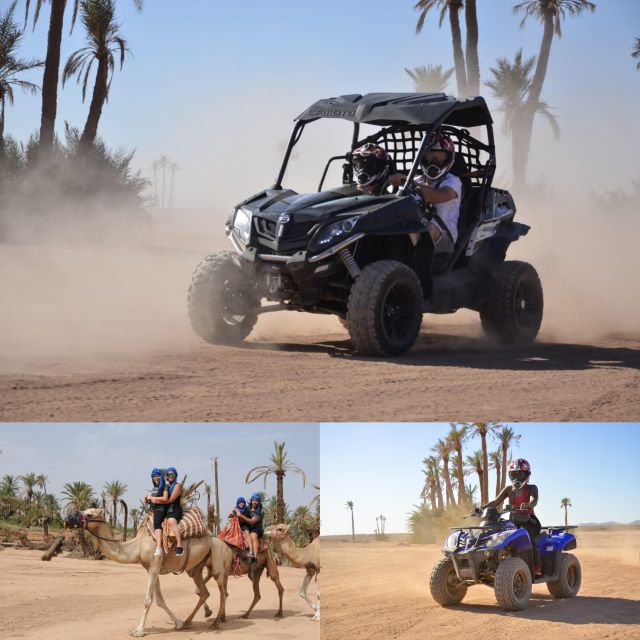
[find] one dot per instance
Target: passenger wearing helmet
(254, 521)
(371, 168)
(170, 500)
(440, 188)
(522, 497)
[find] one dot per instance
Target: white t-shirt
(449, 211)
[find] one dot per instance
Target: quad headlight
(451, 543)
(336, 230)
(242, 224)
(497, 539)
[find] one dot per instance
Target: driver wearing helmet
(440, 188)
(522, 497)
(371, 168)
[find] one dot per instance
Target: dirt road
(452, 373)
(380, 590)
(68, 599)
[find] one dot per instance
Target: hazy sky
(215, 85)
(99, 453)
(379, 467)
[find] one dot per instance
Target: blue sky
(378, 466)
(102, 452)
(214, 85)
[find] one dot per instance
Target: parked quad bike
(498, 554)
(369, 259)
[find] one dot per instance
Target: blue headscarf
(175, 480)
(258, 497)
(158, 472)
(245, 509)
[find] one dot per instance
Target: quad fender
(518, 539)
(556, 541)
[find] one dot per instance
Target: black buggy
(369, 259)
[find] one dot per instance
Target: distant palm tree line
(445, 470)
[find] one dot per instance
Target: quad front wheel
(444, 585)
(384, 311)
(513, 314)
(570, 576)
(512, 584)
(222, 300)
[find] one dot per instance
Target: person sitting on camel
(242, 509)
(254, 522)
(170, 499)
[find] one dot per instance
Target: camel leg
(255, 581)
(221, 581)
(272, 570)
(207, 610)
(163, 605)
(316, 616)
(154, 571)
(303, 591)
(201, 591)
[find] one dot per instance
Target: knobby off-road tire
(513, 315)
(384, 311)
(222, 301)
(568, 584)
(444, 585)
(512, 584)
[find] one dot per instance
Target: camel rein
(87, 521)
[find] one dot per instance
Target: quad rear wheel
(570, 576)
(222, 300)
(513, 314)
(512, 584)
(384, 311)
(444, 585)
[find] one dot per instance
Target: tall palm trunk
(280, 498)
(51, 72)
(565, 515)
(114, 514)
(461, 492)
(484, 484)
(97, 102)
(2, 103)
(458, 54)
(353, 527)
(498, 485)
(471, 49)
(447, 481)
(525, 124)
(438, 487)
(505, 453)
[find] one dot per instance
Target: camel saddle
(192, 525)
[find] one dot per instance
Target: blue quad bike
(498, 554)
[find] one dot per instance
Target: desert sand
(374, 589)
(68, 599)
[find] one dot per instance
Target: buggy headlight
(242, 224)
(451, 543)
(336, 230)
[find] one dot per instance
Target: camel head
(278, 531)
(79, 519)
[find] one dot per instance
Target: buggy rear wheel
(570, 576)
(444, 585)
(512, 584)
(514, 312)
(384, 311)
(222, 300)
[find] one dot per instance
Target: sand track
(381, 590)
(452, 373)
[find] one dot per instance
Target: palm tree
(432, 464)
(457, 479)
(482, 429)
(29, 480)
(79, 496)
(442, 449)
(278, 467)
(636, 51)
(52, 62)
(41, 482)
(349, 505)
(453, 7)
(103, 41)
(9, 486)
(475, 465)
(564, 504)
(495, 458)
(551, 13)
(11, 67)
(456, 436)
(430, 78)
(429, 488)
(135, 518)
(115, 490)
(507, 438)
(511, 85)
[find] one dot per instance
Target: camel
(225, 560)
(302, 557)
(140, 550)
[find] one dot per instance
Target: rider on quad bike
(522, 497)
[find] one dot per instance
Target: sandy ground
(68, 599)
(94, 332)
(380, 590)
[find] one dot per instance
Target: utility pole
(215, 489)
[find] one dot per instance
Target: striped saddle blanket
(192, 525)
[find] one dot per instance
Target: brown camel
(302, 557)
(225, 560)
(140, 551)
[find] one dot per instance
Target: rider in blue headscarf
(170, 499)
(254, 522)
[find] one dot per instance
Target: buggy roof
(386, 109)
